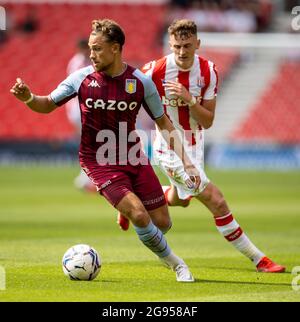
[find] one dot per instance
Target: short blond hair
(110, 30)
(182, 28)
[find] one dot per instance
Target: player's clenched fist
(21, 90)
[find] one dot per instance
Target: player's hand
(193, 181)
(20, 90)
(177, 89)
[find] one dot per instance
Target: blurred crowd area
(42, 39)
(230, 15)
(225, 15)
(210, 15)
(16, 24)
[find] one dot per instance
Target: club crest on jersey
(130, 86)
(201, 82)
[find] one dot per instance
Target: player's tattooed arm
(40, 104)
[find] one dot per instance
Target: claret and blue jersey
(107, 101)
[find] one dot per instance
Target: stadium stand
(41, 57)
(225, 60)
(275, 117)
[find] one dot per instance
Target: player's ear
(116, 48)
(198, 43)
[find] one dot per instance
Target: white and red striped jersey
(201, 80)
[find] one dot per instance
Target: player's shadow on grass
(250, 270)
(106, 281)
(198, 280)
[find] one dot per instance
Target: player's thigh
(148, 188)
(113, 183)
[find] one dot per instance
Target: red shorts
(114, 182)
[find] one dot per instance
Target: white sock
(172, 260)
(231, 230)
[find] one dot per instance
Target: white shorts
(171, 165)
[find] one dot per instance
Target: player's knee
(184, 203)
(139, 217)
(164, 225)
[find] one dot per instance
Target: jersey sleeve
(64, 91)
(212, 89)
(151, 103)
(68, 88)
(148, 68)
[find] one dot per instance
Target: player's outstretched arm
(175, 143)
(40, 104)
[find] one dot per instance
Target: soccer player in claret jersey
(187, 85)
(110, 93)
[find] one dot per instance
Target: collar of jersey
(118, 75)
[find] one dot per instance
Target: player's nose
(92, 55)
(181, 51)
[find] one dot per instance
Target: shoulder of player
(143, 78)
(205, 62)
(155, 66)
(82, 72)
(146, 82)
(76, 78)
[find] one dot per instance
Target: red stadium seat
(275, 117)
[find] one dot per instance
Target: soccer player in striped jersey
(110, 94)
(187, 85)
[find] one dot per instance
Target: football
(81, 262)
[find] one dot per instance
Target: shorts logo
(105, 184)
(130, 86)
(153, 201)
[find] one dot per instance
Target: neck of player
(118, 68)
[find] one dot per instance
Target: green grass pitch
(41, 215)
